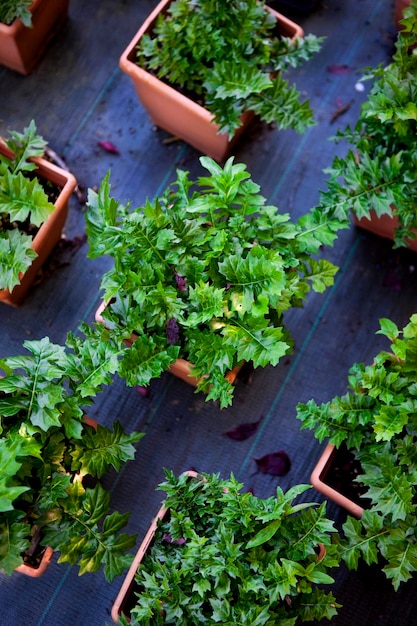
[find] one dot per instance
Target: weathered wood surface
(78, 97)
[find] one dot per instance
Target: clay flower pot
(21, 47)
(50, 231)
(383, 226)
(319, 480)
(36, 572)
(174, 112)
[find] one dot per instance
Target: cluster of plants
(205, 273)
(24, 204)
(230, 57)
(217, 550)
(11, 10)
(379, 172)
(52, 459)
(377, 421)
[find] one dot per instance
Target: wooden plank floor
(78, 97)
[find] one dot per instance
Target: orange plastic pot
(21, 47)
(175, 112)
(318, 480)
(36, 572)
(383, 226)
(50, 231)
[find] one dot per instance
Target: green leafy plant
(379, 172)
(376, 420)
(24, 204)
(217, 550)
(49, 452)
(16, 9)
(204, 273)
(229, 56)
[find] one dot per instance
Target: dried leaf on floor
(275, 463)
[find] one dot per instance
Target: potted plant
(212, 550)
(52, 460)
(204, 273)
(376, 423)
(26, 27)
(377, 178)
(201, 70)
(34, 196)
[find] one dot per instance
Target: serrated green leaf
(23, 198)
(16, 256)
(14, 540)
(100, 449)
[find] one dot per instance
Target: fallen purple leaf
(109, 147)
(338, 70)
(243, 431)
(275, 463)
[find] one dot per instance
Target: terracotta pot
(180, 368)
(318, 480)
(50, 231)
(174, 112)
(383, 226)
(36, 572)
(21, 47)
(121, 603)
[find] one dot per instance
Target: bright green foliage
(233, 548)
(13, 9)
(211, 260)
(84, 532)
(230, 56)
(379, 172)
(377, 420)
(23, 204)
(45, 444)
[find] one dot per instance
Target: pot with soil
(208, 531)
(203, 70)
(375, 423)
(34, 197)
(53, 458)
(26, 28)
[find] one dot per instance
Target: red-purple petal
(109, 147)
(243, 431)
(142, 391)
(339, 70)
(275, 463)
